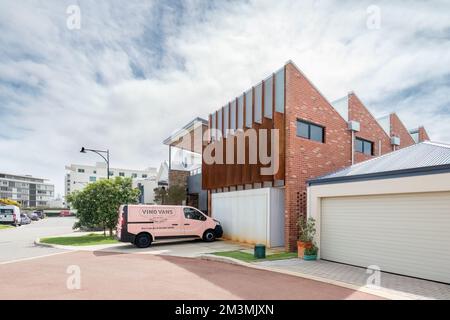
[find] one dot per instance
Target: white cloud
(136, 72)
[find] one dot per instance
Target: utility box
(395, 141)
(354, 126)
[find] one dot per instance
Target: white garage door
(253, 216)
(406, 234)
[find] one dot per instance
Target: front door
(193, 222)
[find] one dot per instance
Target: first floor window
(310, 131)
(364, 146)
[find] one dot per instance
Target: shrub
(307, 229)
(311, 251)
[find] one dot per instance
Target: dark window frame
(310, 124)
(364, 141)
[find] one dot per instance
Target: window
(219, 123)
(240, 111)
(94, 172)
(213, 126)
(191, 213)
(92, 179)
(279, 91)
(144, 176)
(268, 97)
(310, 131)
(80, 170)
(258, 103)
(233, 115)
(134, 175)
(364, 146)
(111, 173)
(249, 108)
(226, 124)
(121, 174)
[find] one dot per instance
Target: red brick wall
(423, 135)
(398, 129)
(370, 128)
(307, 159)
(178, 178)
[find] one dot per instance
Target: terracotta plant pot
(301, 246)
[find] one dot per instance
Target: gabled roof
(385, 123)
(422, 158)
(341, 106)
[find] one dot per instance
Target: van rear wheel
(143, 240)
(209, 236)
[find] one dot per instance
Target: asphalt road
(104, 275)
(18, 243)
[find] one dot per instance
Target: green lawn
(248, 257)
(87, 240)
(5, 226)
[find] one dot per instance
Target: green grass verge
(248, 257)
(87, 240)
(5, 226)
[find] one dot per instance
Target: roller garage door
(407, 234)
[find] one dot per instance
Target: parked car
(10, 215)
(33, 216)
(24, 219)
(142, 224)
(65, 213)
(40, 214)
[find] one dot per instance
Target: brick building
(314, 136)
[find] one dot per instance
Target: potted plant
(311, 253)
(307, 231)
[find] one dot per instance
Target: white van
(10, 215)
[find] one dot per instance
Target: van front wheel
(143, 240)
(209, 236)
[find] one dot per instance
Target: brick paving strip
(354, 278)
(112, 275)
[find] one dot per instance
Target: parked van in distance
(10, 215)
(142, 224)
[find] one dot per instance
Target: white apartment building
(78, 176)
(27, 190)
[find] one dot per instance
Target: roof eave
(383, 175)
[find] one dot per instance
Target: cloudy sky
(137, 70)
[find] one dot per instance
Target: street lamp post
(99, 152)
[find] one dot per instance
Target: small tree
(307, 229)
(160, 195)
(171, 196)
(97, 204)
(176, 195)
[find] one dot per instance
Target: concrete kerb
(37, 242)
(384, 293)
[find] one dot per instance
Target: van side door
(194, 222)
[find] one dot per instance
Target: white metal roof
(422, 155)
